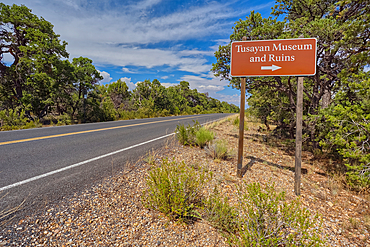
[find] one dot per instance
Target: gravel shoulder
(111, 213)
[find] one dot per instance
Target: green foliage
(43, 83)
(31, 80)
(340, 28)
(345, 128)
(187, 135)
(236, 122)
(220, 214)
(64, 119)
(262, 217)
(175, 190)
(15, 119)
(203, 136)
(218, 149)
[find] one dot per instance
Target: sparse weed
(229, 178)
(236, 123)
(334, 186)
(6, 213)
(353, 223)
(367, 222)
(151, 157)
(221, 215)
(218, 149)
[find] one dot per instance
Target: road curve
(43, 165)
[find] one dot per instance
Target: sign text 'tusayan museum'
(282, 57)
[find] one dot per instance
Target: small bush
(187, 135)
(217, 150)
(151, 157)
(236, 122)
(16, 119)
(263, 218)
(220, 214)
(203, 136)
(175, 190)
(64, 119)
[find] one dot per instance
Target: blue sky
(168, 40)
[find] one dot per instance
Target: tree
(85, 79)
(118, 92)
(342, 31)
(30, 81)
(345, 128)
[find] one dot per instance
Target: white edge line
(78, 164)
(84, 162)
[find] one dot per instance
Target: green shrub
(64, 119)
(218, 149)
(16, 119)
(126, 115)
(262, 217)
(187, 135)
(220, 214)
(203, 136)
(236, 122)
(344, 129)
(175, 190)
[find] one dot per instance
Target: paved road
(44, 165)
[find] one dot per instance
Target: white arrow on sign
(273, 67)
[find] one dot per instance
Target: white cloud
(129, 83)
(208, 83)
(116, 36)
(149, 58)
(126, 70)
(205, 82)
(142, 5)
(231, 99)
(106, 76)
(367, 68)
(165, 77)
(219, 42)
(165, 84)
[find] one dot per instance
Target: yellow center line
(86, 131)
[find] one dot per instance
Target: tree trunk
(326, 98)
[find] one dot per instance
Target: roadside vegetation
(41, 86)
(259, 216)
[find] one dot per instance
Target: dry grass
(6, 213)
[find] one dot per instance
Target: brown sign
(281, 57)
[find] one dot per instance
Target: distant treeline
(42, 85)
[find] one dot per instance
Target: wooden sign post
(241, 125)
(241, 128)
(298, 138)
(282, 57)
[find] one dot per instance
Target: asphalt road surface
(40, 166)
